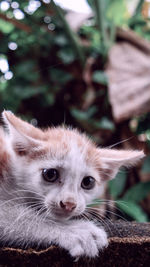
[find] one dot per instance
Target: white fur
(30, 209)
(22, 225)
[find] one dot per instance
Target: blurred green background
(50, 74)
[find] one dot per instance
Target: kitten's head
(62, 165)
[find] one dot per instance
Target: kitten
(47, 178)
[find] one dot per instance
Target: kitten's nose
(68, 206)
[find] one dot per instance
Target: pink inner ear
(112, 159)
(24, 145)
(22, 126)
(120, 157)
(105, 174)
(20, 134)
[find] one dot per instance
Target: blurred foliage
(56, 75)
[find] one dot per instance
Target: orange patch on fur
(56, 142)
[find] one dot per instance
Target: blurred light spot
(18, 14)
(47, 19)
(8, 75)
(34, 122)
(51, 26)
(12, 45)
(133, 124)
(32, 6)
(14, 5)
(4, 67)
(142, 137)
(46, 1)
(4, 5)
(77, 6)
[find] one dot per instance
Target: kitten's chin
(66, 217)
(59, 215)
(61, 218)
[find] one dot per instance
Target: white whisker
(120, 142)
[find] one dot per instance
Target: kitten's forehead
(70, 147)
(76, 155)
(70, 143)
(72, 157)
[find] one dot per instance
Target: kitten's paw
(85, 239)
(89, 240)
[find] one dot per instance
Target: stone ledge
(129, 245)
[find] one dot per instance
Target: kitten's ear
(22, 134)
(112, 159)
(22, 126)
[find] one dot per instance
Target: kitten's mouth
(58, 214)
(61, 215)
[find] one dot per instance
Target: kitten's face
(63, 172)
(66, 184)
(62, 166)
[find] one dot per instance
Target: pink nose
(68, 206)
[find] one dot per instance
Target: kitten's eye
(88, 182)
(50, 175)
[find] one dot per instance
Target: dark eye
(88, 182)
(50, 175)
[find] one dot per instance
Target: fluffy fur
(30, 210)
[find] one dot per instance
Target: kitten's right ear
(23, 136)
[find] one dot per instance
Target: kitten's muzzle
(67, 206)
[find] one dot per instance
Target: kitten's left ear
(112, 159)
(24, 137)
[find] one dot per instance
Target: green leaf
(3, 85)
(117, 185)
(133, 210)
(146, 165)
(61, 40)
(100, 77)
(72, 37)
(105, 124)
(84, 115)
(24, 67)
(6, 27)
(95, 202)
(118, 12)
(78, 114)
(66, 55)
(106, 4)
(138, 8)
(91, 111)
(60, 76)
(48, 99)
(27, 92)
(137, 192)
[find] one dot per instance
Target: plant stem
(138, 8)
(100, 13)
(72, 36)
